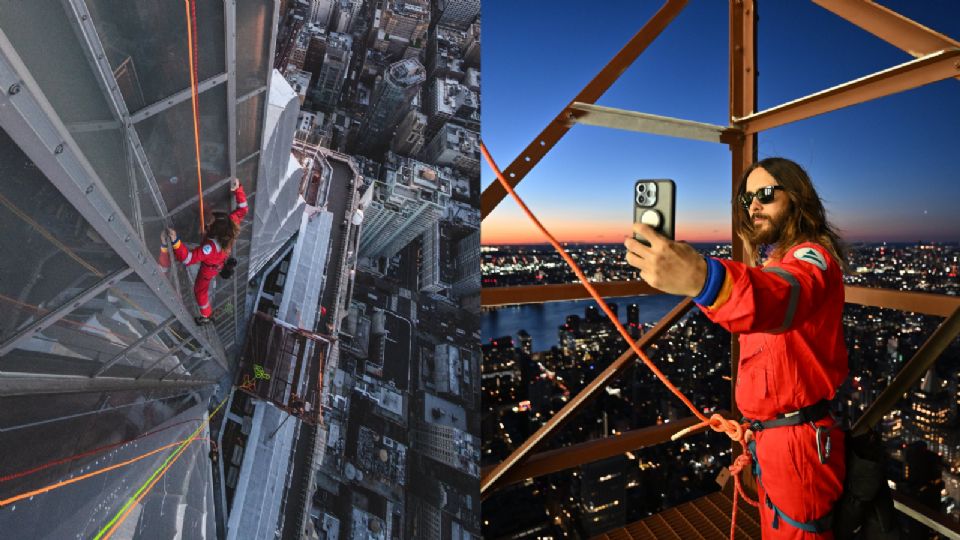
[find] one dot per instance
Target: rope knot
(743, 460)
(732, 428)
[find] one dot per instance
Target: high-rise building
(409, 138)
(633, 315)
(457, 13)
(526, 342)
(316, 50)
(444, 57)
(333, 72)
(929, 417)
(432, 260)
(280, 173)
(97, 334)
(403, 23)
(455, 147)
(448, 99)
(466, 286)
(320, 11)
(471, 47)
(448, 445)
(601, 492)
(392, 95)
(410, 198)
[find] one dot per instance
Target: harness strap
(821, 524)
(811, 413)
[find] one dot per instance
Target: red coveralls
(211, 257)
(792, 355)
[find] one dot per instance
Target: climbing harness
(807, 415)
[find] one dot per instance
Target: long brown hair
(224, 230)
(806, 219)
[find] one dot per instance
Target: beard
(767, 232)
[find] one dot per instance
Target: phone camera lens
(640, 199)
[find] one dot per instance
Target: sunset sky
(887, 169)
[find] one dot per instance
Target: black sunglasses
(764, 195)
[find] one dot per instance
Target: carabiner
(823, 442)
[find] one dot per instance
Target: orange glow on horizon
(501, 232)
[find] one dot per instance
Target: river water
(541, 320)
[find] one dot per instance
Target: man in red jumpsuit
(788, 312)
(213, 251)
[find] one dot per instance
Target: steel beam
(911, 372)
(595, 386)
(537, 294)
(924, 70)
(35, 127)
(31, 384)
(91, 127)
(252, 93)
(176, 99)
(230, 48)
(177, 350)
(133, 346)
(743, 149)
(936, 520)
(534, 152)
(51, 318)
(97, 57)
(890, 26)
(575, 455)
(941, 305)
(596, 115)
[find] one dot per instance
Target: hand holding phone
(654, 204)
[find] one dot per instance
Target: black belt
(811, 413)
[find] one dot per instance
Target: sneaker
(202, 320)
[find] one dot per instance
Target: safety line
(194, 59)
(107, 531)
(731, 428)
(88, 453)
(91, 474)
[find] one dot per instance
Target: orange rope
(191, 22)
(58, 485)
(163, 471)
(732, 428)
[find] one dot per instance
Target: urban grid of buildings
(386, 95)
(525, 383)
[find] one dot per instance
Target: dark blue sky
(888, 169)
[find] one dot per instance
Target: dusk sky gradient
(887, 170)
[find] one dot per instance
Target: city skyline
(878, 144)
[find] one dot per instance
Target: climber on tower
(213, 253)
(792, 352)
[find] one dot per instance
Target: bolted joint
(58, 150)
(14, 89)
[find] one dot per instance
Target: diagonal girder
(890, 26)
(915, 73)
(534, 152)
(925, 357)
(488, 481)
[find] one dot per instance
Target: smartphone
(654, 203)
